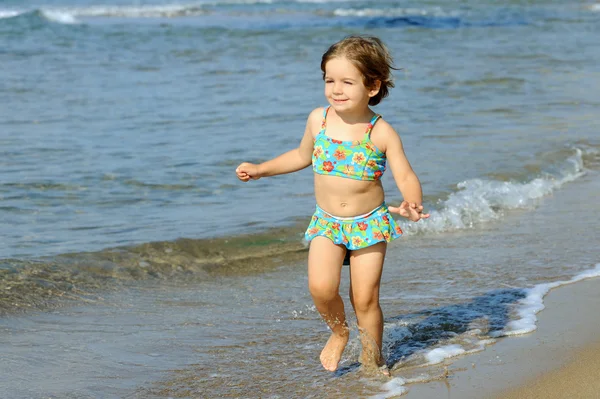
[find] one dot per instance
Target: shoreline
(559, 359)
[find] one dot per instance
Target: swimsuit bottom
(354, 232)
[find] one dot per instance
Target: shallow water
(259, 334)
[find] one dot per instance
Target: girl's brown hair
(370, 56)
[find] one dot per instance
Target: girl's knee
(365, 304)
(323, 290)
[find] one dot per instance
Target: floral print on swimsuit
(359, 160)
(354, 233)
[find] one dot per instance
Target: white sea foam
(170, 10)
(438, 355)
(59, 16)
(594, 7)
(320, 1)
(528, 307)
(224, 2)
(392, 388)
(148, 11)
(396, 386)
(479, 200)
(69, 15)
(9, 13)
(392, 12)
(54, 15)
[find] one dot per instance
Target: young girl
(348, 146)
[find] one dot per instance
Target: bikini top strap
(372, 123)
(324, 123)
(325, 110)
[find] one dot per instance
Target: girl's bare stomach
(345, 197)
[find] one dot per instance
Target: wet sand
(559, 360)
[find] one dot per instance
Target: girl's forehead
(341, 65)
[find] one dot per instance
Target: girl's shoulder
(315, 120)
(383, 128)
(316, 114)
(383, 133)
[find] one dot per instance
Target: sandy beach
(577, 377)
(559, 360)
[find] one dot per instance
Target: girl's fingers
(410, 210)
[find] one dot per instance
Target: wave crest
(393, 12)
(479, 200)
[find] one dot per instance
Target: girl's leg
(366, 267)
(324, 269)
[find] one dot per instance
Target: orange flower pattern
(356, 233)
(340, 154)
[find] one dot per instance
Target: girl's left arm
(406, 179)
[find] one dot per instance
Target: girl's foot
(374, 363)
(332, 352)
(384, 370)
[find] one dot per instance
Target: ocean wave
(60, 17)
(9, 13)
(45, 283)
(428, 17)
(148, 11)
(479, 200)
(528, 307)
(52, 15)
(321, 1)
(67, 14)
(39, 15)
(70, 15)
(433, 17)
(283, 18)
(393, 12)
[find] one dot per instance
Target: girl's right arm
(291, 161)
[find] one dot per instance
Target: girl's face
(344, 87)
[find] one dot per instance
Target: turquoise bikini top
(359, 160)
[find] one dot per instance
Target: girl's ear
(375, 88)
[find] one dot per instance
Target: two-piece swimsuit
(359, 160)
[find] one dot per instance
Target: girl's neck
(354, 117)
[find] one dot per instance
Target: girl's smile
(344, 86)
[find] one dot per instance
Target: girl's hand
(247, 171)
(410, 211)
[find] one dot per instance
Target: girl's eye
(348, 83)
(328, 81)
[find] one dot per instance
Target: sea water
(133, 262)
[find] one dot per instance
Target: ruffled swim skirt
(354, 232)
